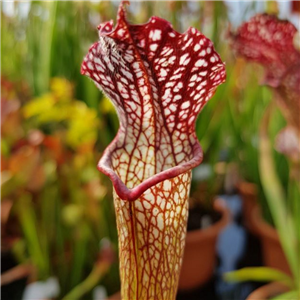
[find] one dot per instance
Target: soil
(208, 291)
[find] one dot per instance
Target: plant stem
(275, 195)
(293, 199)
(85, 286)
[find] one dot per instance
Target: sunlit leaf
(258, 274)
(292, 295)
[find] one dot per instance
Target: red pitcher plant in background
(158, 80)
(274, 44)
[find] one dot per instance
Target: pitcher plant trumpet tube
(158, 80)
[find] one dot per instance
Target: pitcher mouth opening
(133, 194)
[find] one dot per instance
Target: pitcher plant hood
(274, 44)
(158, 80)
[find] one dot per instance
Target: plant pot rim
(247, 188)
(262, 226)
(269, 290)
(195, 236)
(115, 296)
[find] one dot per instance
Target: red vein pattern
(151, 239)
(158, 80)
(273, 44)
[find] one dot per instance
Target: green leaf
(29, 223)
(259, 274)
(9, 183)
(292, 295)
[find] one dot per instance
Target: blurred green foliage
(61, 205)
(60, 201)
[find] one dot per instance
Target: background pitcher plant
(158, 80)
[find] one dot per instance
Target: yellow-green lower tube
(152, 232)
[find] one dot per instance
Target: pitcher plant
(274, 45)
(158, 80)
